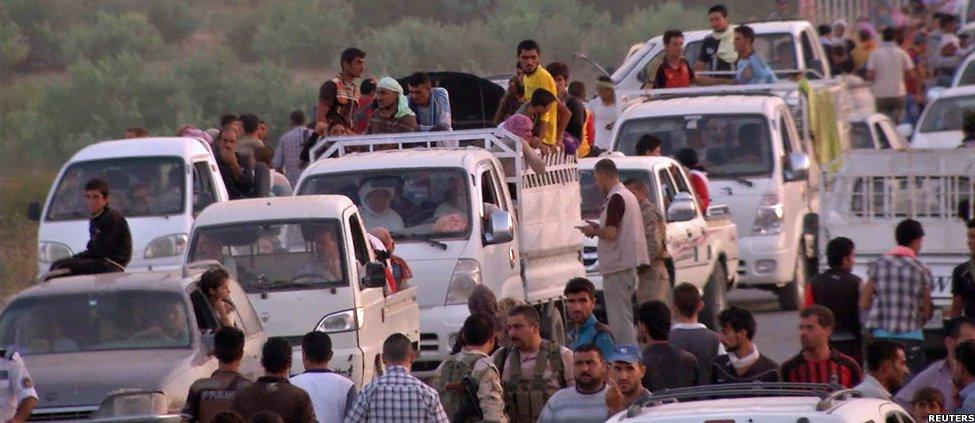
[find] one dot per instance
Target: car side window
(203, 192)
(206, 319)
(787, 141)
(669, 190)
(807, 49)
(246, 318)
(489, 191)
(882, 136)
(358, 241)
(681, 183)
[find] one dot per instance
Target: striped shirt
(899, 282)
(397, 396)
(838, 368)
(286, 157)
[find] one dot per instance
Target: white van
(159, 185)
(306, 264)
(940, 123)
(757, 164)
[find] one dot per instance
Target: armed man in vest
(620, 249)
(17, 394)
(468, 382)
(532, 369)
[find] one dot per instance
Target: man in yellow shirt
(535, 77)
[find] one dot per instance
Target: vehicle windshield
(946, 113)
(729, 146)
(96, 321)
(276, 255)
(410, 203)
(967, 74)
(778, 50)
(138, 187)
(593, 197)
(861, 135)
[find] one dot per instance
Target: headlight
(132, 405)
(166, 246)
(50, 252)
(467, 275)
(768, 218)
(341, 321)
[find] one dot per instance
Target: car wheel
(792, 295)
(714, 297)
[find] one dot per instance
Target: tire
(714, 297)
(555, 325)
(792, 295)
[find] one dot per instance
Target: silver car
(120, 346)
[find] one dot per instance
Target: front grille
(41, 416)
(425, 366)
(588, 256)
(429, 342)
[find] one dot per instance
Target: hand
(320, 128)
(588, 230)
(747, 74)
(614, 398)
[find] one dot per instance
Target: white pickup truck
(757, 163)
(307, 264)
(780, 43)
(704, 250)
(872, 191)
(459, 220)
(159, 184)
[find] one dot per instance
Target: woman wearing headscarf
(521, 125)
(393, 114)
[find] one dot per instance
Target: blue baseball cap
(627, 353)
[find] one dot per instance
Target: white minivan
(159, 185)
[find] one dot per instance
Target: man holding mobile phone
(620, 249)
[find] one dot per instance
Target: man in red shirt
(818, 363)
(675, 71)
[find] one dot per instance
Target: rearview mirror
(682, 209)
(905, 130)
(34, 211)
(797, 168)
(375, 275)
(499, 228)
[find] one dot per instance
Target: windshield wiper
(743, 181)
(425, 238)
(439, 244)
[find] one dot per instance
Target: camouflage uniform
(482, 371)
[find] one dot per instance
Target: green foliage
(303, 32)
(13, 47)
(608, 47)
(110, 35)
(173, 19)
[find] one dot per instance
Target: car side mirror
(797, 168)
(207, 339)
(905, 130)
(375, 275)
(682, 208)
(499, 228)
(34, 211)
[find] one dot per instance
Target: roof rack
(827, 403)
(825, 392)
(496, 140)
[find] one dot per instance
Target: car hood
(432, 268)
(87, 378)
(742, 200)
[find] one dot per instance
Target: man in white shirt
(887, 369)
(887, 67)
(331, 394)
(17, 394)
(603, 109)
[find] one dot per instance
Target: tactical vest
(450, 383)
(524, 398)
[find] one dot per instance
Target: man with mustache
(586, 401)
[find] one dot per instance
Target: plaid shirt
(286, 156)
(397, 396)
(899, 282)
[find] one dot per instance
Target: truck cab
(703, 249)
(306, 264)
(757, 164)
(159, 184)
(455, 220)
(790, 48)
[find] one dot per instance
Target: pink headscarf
(519, 125)
(193, 132)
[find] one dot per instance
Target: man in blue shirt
(963, 375)
(580, 300)
(431, 104)
(752, 69)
